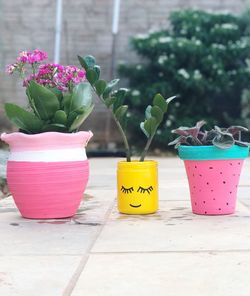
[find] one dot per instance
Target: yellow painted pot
(137, 187)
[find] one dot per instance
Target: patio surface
(100, 252)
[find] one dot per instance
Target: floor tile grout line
(171, 252)
(124, 252)
(42, 255)
(74, 279)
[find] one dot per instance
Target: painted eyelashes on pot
(144, 190)
(140, 189)
(127, 190)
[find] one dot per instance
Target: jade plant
(59, 97)
(114, 100)
(223, 138)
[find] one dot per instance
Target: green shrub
(204, 58)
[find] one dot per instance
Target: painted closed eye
(127, 190)
(144, 190)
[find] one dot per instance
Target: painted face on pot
(137, 198)
(137, 188)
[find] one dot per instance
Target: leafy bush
(204, 58)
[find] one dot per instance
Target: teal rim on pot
(212, 152)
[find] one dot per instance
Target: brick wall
(27, 24)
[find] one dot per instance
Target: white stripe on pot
(77, 154)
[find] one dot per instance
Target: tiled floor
(103, 253)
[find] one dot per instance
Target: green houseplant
(49, 148)
(213, 160)
(134, 178)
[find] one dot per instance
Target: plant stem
(125, 140)
(145, 151)
(197, 141)
(32, 105)
(33, 69)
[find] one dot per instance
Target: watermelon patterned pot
(47, 173)
(213, 176)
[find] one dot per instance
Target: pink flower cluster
(56, 75)
(51, 75)
(31, 57)
(68, 76)
(11, 68)
(26, 57)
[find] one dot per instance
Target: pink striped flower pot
(213, 177)
(47, 173)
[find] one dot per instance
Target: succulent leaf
(223, 141)
(100, 86)
(178, 141)
(148, 112)
(234, 130)
(87, 62)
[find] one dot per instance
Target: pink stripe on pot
(47, 189)
(213, 185)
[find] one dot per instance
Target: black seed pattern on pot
(222, 182)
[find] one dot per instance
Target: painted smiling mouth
(134, 206)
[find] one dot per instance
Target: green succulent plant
(114, 100)
(52, 110)
(222, 138)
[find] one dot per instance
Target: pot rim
(212, 153)
(46, 141)
(45, 134)
(137, 164)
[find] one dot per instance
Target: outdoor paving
(101, 252)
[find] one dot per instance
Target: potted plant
(137, 181)
(48, 170)
(213, 160)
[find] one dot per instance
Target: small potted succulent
(213, 160)
(137, 181)
(48, 170)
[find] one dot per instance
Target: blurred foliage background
(202, 57)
